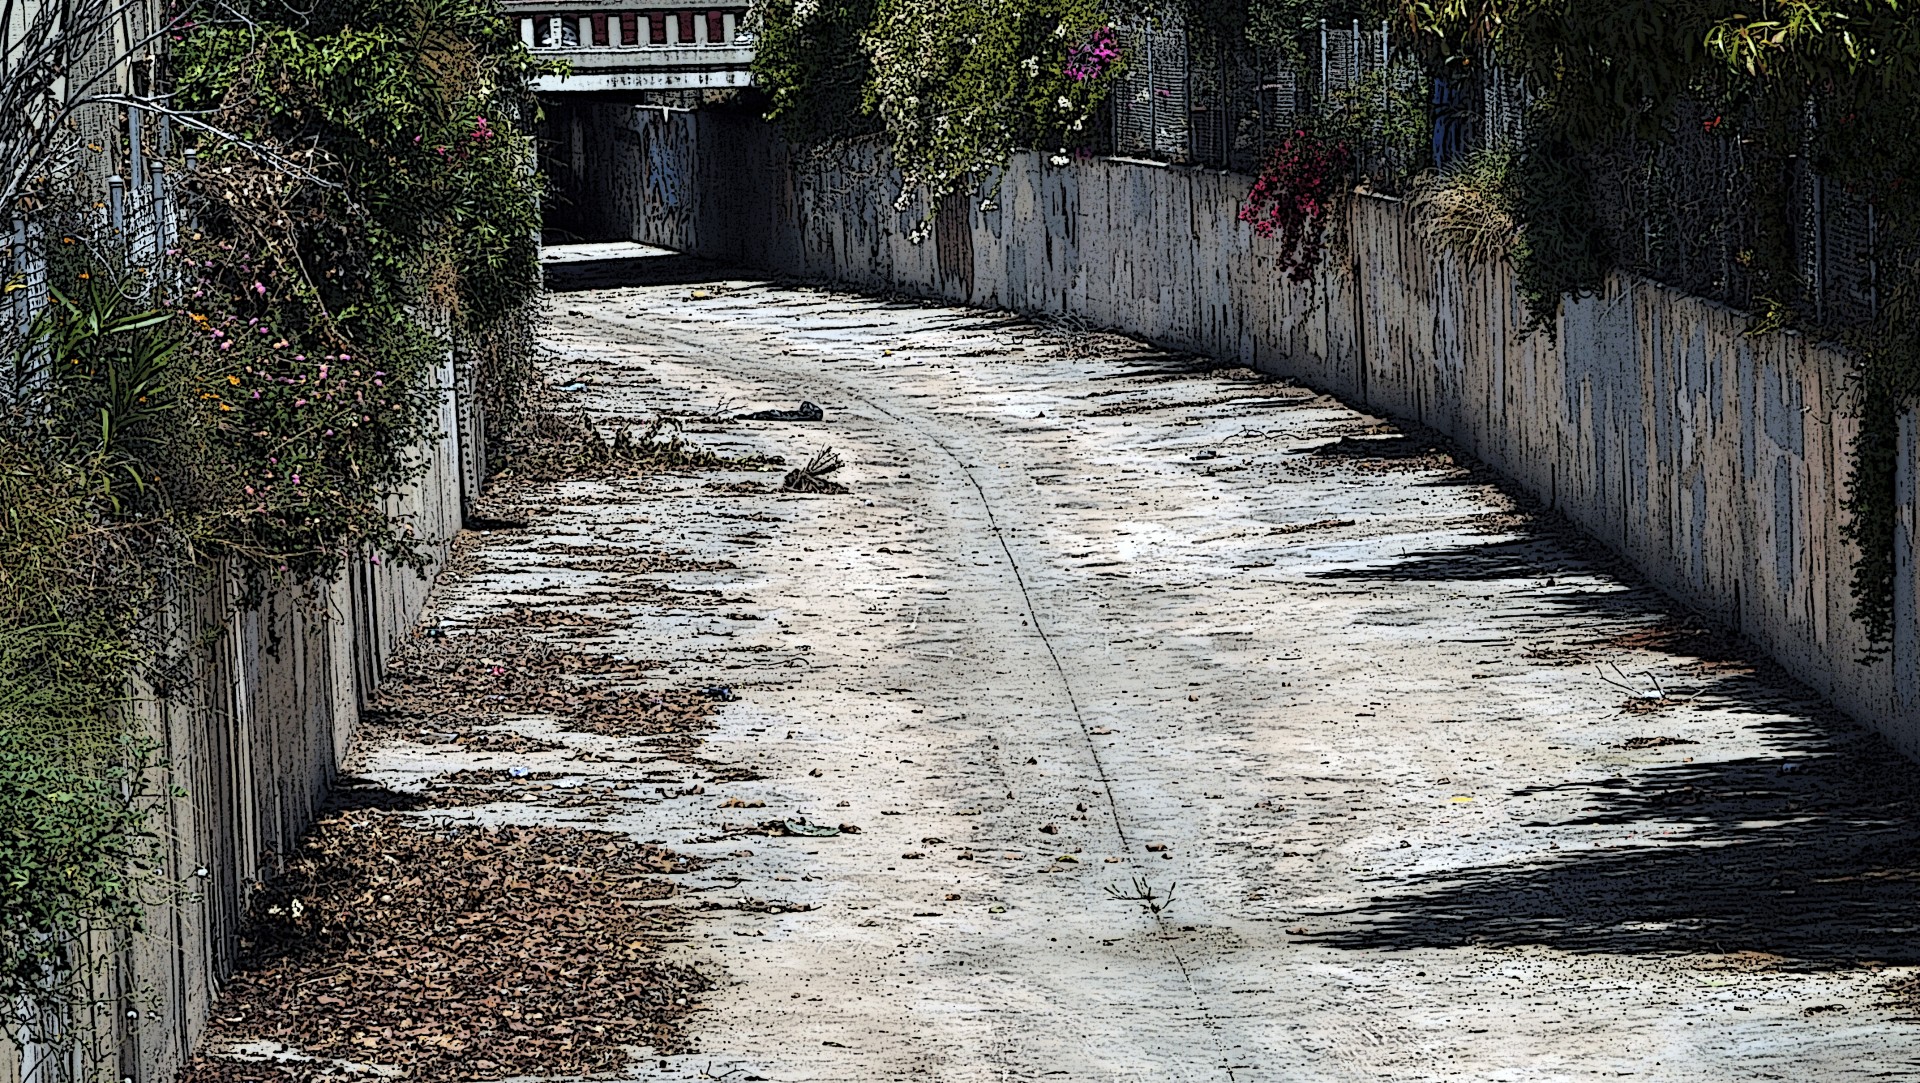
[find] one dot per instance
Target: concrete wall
(254, 732)
(1714, 461)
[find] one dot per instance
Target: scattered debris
(488, 677)
(1317, 524)
(813, 477)
(806, 412)
(365, 950)
(1646, 701)
(803, 829)
(1142, 892)
(549, 445)
(1655, 742)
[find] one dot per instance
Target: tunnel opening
(591, 157)
(669, 56)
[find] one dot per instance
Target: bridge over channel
(627, 50)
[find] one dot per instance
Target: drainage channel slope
(1194, 727)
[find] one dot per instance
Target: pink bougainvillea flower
(259, 287)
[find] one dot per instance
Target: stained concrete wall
(1713, 460)
(253, 732)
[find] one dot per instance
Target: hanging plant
(1302, 184)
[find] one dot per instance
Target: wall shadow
(1816, 864)
(664, 269)
(1809, 852)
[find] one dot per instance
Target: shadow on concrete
(1529, 556)
(618, 272)
(1810, 852)
(352, 794)
(1815, 864)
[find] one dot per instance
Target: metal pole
(159, 170)
(117, 202)
(1873, 264)
(1153, 103)
(136, 157)
(1356, 55)
(1323, 63)
(1819, 246)
(1386, 98)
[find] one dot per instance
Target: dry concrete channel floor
(1197, 727)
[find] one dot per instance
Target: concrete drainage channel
(1127, 718)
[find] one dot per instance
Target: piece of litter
(806, 412)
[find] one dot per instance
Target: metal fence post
(136, 156)
(1873, 264)
(1819, 246)
(1354, 83)
(1323, 64)
(1153, 103)
(159, 171)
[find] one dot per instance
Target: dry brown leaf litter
(456, 953)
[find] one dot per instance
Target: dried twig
(813, 477)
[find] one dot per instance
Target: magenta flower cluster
(1293, 195)
(483, 133)
(1090, 61)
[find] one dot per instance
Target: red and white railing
(673, 28)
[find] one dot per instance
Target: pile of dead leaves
(647, 714)
(477, 676)
(454, 953)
